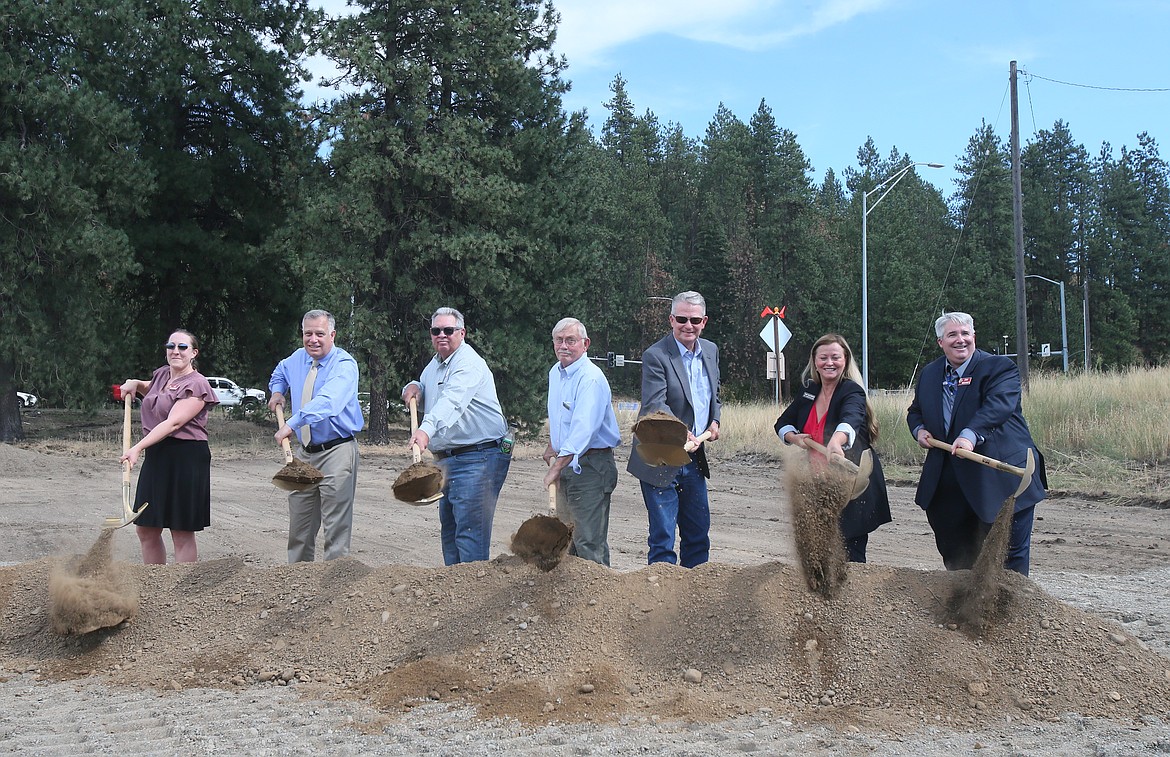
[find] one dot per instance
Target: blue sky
(918, 75)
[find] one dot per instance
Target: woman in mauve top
(176, 473)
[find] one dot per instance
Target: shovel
(1024, 473)
(543, 540)
(860, 472)
(662, 440)
(129, 515)
(296, 475)
(421, 483)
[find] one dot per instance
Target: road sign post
(776, 335)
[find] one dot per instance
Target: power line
(1093, 86)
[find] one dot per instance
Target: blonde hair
(809, 375)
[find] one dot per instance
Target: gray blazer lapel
(680, 371)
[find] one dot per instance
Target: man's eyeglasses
(448, 330)
(695, 320)
(180, 347)
(568, 341)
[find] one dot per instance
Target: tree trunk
(10, 426)
(378, 428)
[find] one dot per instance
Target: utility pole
(1088, 350)
(1018, 224)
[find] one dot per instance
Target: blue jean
(472, 485)
(681, 505)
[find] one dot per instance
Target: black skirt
(176, 481)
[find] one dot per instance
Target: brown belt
(596, 451)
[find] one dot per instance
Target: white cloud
(591, 27)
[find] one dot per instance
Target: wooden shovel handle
(552, 499)
(288, 456)
(691, 446)
(990, 462)
(417, 453)
(842, 461)
(128, 400)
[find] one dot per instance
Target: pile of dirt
(582, 642)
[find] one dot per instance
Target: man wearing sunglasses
(680, 376)
(463, 426)
(321, 381)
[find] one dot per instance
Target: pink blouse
(164, 393)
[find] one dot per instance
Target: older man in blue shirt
(321, 380)
(583, 431)
(463, 426)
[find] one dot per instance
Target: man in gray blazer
(680, 376)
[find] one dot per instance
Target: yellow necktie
(306, 396)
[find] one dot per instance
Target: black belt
(327, 445)
(440, 454)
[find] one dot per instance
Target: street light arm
(887, 183)
(891, 181)
(1038, 276)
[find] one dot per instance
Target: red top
(814, 426)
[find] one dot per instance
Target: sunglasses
(448, 330)
(180, 347)
(681, 319)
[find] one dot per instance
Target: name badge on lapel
(808, 396)
(965, 381)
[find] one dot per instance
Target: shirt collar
(682, 348)
(962, 369)
(574, 366)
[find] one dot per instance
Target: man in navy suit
(971, 399)
(680, 375)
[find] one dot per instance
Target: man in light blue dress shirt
(333, 417)
(583, 431)
(463, 426)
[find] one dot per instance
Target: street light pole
(884, 187)
(1063, 320)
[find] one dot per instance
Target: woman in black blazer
(832, 409)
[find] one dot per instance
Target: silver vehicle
(26, 399)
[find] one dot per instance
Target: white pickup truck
(230, 393)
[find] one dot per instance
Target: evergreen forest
(159, 168)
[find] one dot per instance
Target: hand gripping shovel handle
(1025, 474)
(284, 445)
(691, 446)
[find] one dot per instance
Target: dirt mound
(586, 643)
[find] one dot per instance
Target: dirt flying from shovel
(816, 495)
(299, 472)
(978, 602)
(90, 592)
(542, 540)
